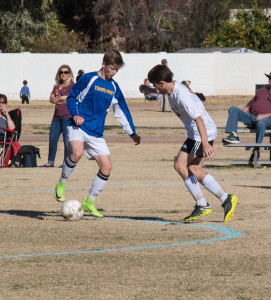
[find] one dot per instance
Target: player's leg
(97, 149)
(69, 164)
(181, 165)
(76, 144)
(208, 181)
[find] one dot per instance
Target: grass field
(141, 249)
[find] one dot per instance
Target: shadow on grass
(256, 186)
(29, 213)
(162, 220)
(139, 218)
(44, 215)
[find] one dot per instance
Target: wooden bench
(251, 147)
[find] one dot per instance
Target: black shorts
(194, 147)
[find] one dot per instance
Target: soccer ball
(72, 210)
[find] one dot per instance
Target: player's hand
(78, 120)
(209, 152)
(136, 138)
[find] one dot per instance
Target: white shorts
(93, 145)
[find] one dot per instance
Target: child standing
(25, 93)
(201, 131)
(88, 102)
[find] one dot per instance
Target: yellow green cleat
(88, 205)
(59, 192)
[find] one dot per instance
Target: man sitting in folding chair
(8, 135)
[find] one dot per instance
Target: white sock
(67, 169)
(98, 185)
(193, 186)
(213, 187)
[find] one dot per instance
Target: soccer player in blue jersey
(88, 103)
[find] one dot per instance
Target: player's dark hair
(25, 82)
(160, 73)
(114, 58)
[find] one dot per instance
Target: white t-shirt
(187, 106)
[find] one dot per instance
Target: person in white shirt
(201, 133)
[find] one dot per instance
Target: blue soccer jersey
(91, 97)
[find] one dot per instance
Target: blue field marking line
(128, 186)
(227, 234)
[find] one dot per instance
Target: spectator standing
(25, 93)
(64, 82)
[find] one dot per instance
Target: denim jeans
(236, 114)
(58, 126)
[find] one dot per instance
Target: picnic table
(251, 146)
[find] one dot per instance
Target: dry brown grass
(142, 186)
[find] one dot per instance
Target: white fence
(212, 73)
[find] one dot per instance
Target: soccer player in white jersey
(89, 102)
(201, 131)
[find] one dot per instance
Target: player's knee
(106, 168)
(76, 155)
(196, 170)
(180, 168)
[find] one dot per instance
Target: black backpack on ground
(26, 157)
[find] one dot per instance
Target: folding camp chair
(10, 144)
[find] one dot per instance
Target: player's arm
(73, 102)
(208, 150)
(123, 115)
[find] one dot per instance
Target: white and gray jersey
(187, 106)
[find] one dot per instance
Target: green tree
(19, 32)
(251, 29)
(56, 38)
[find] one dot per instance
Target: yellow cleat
(199, 212)
(88, 205)
(229, 206)
(59, 192)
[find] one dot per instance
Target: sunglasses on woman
(64, 72)
(3, 102)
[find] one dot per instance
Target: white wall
(211, 73)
